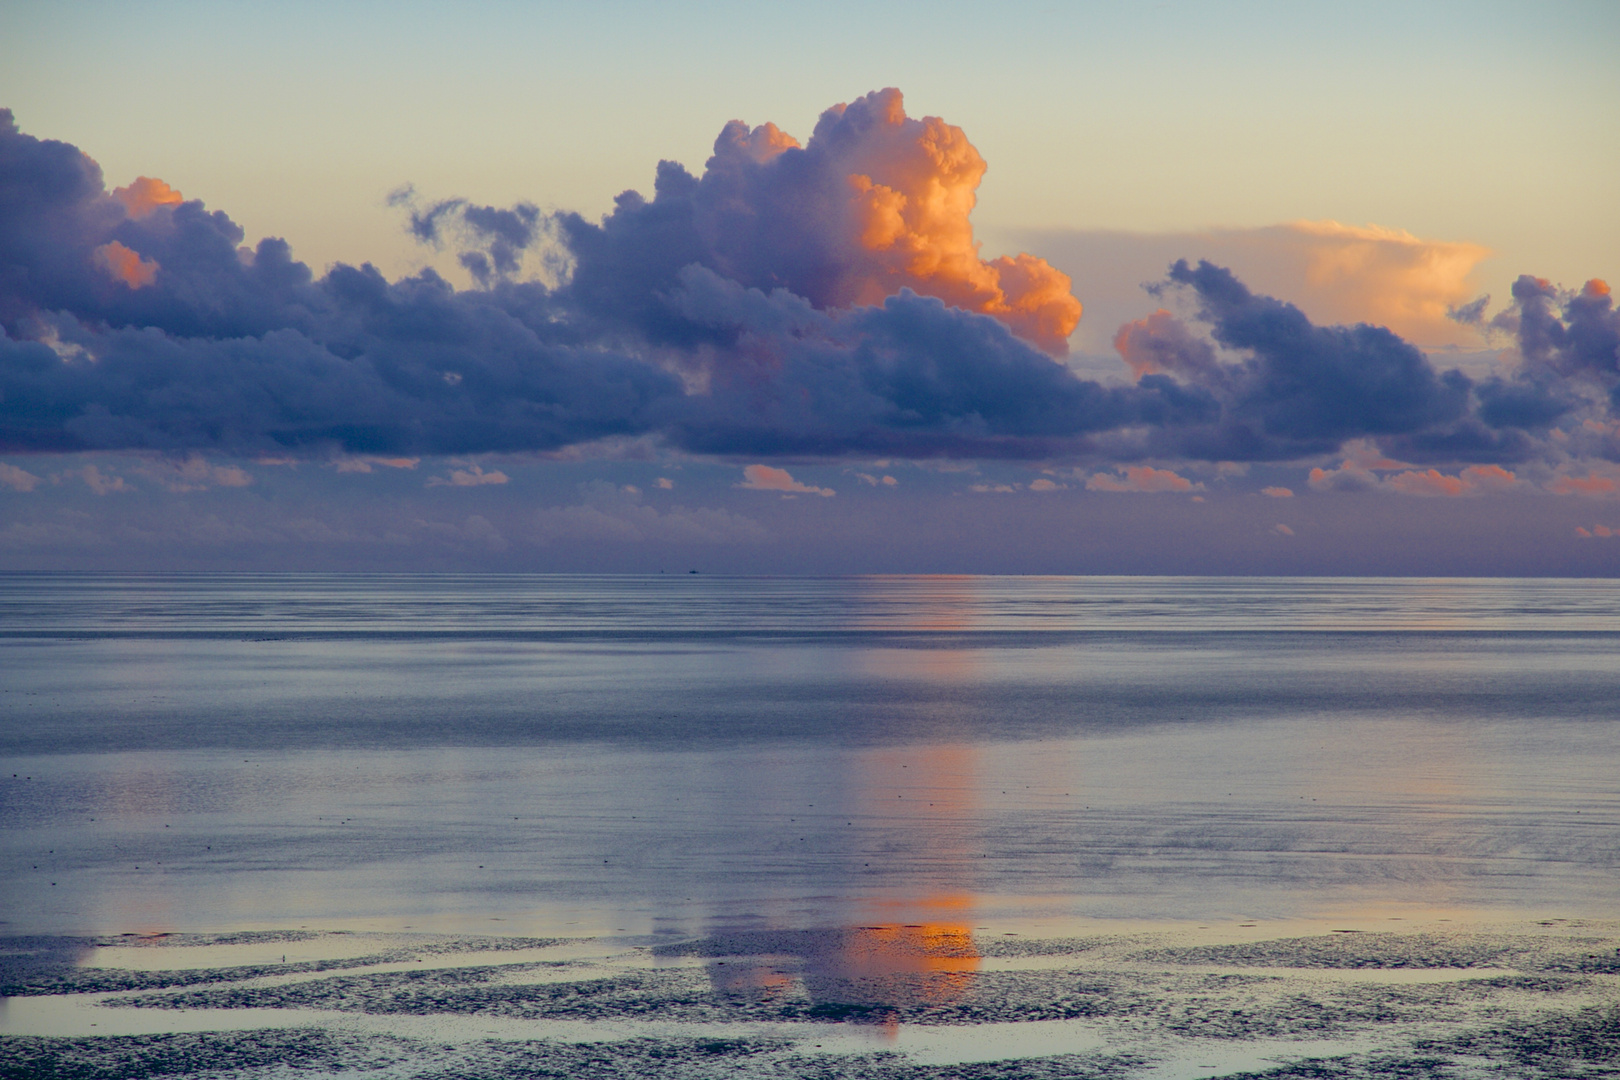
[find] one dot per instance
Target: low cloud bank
(823, 300)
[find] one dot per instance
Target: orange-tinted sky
(1485, 123)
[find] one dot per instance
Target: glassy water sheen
(655, 755)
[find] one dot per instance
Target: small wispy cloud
(769, 478)
(471, 476)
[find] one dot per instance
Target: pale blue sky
(1488, 122)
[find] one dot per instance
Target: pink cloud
(1429, 482)
(471, 476)
(1597, 530)
(17, 479)
(1360, 472)
(1591, 485)
(1144, 479)
(766, 478)
(1277, 492)
(1043, 484)
(100, 483)
(1282, 530)
(194, 473)
(363, 464)
(664, 483)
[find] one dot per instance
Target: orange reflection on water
(871, 974)
(908, 948)
(935, 602)
(931, 603)
(884, 971)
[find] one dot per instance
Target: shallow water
(659, 760)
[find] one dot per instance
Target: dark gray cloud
(1285, 387)
(200, 344)
(1569, 348)
(1566, 333)
(1318, 385)
(910, 376)
(1471, 313)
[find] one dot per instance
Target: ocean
(857, 824)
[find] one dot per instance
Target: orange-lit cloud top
(126, 265)
(913, 185)
(145, 195)
(892, 195)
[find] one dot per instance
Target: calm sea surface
(655, 754)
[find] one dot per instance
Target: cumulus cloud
(101, 483)
(1277, 492)
(874, 202)
(767, 478)
(18, 479)
(471, 476)
(192, 473)
(683, 331)
(364, 464)
(1474, 480)
(1160, 343)
(824, 300)
(1142, 479)
(1593, 485)
(1366, 469)
(876, 481)
(1296, 385)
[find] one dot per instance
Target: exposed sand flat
(892, 1001)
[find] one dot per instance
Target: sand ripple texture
(1535, 1000)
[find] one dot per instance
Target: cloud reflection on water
(910, 943)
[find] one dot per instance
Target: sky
(1080, 288)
